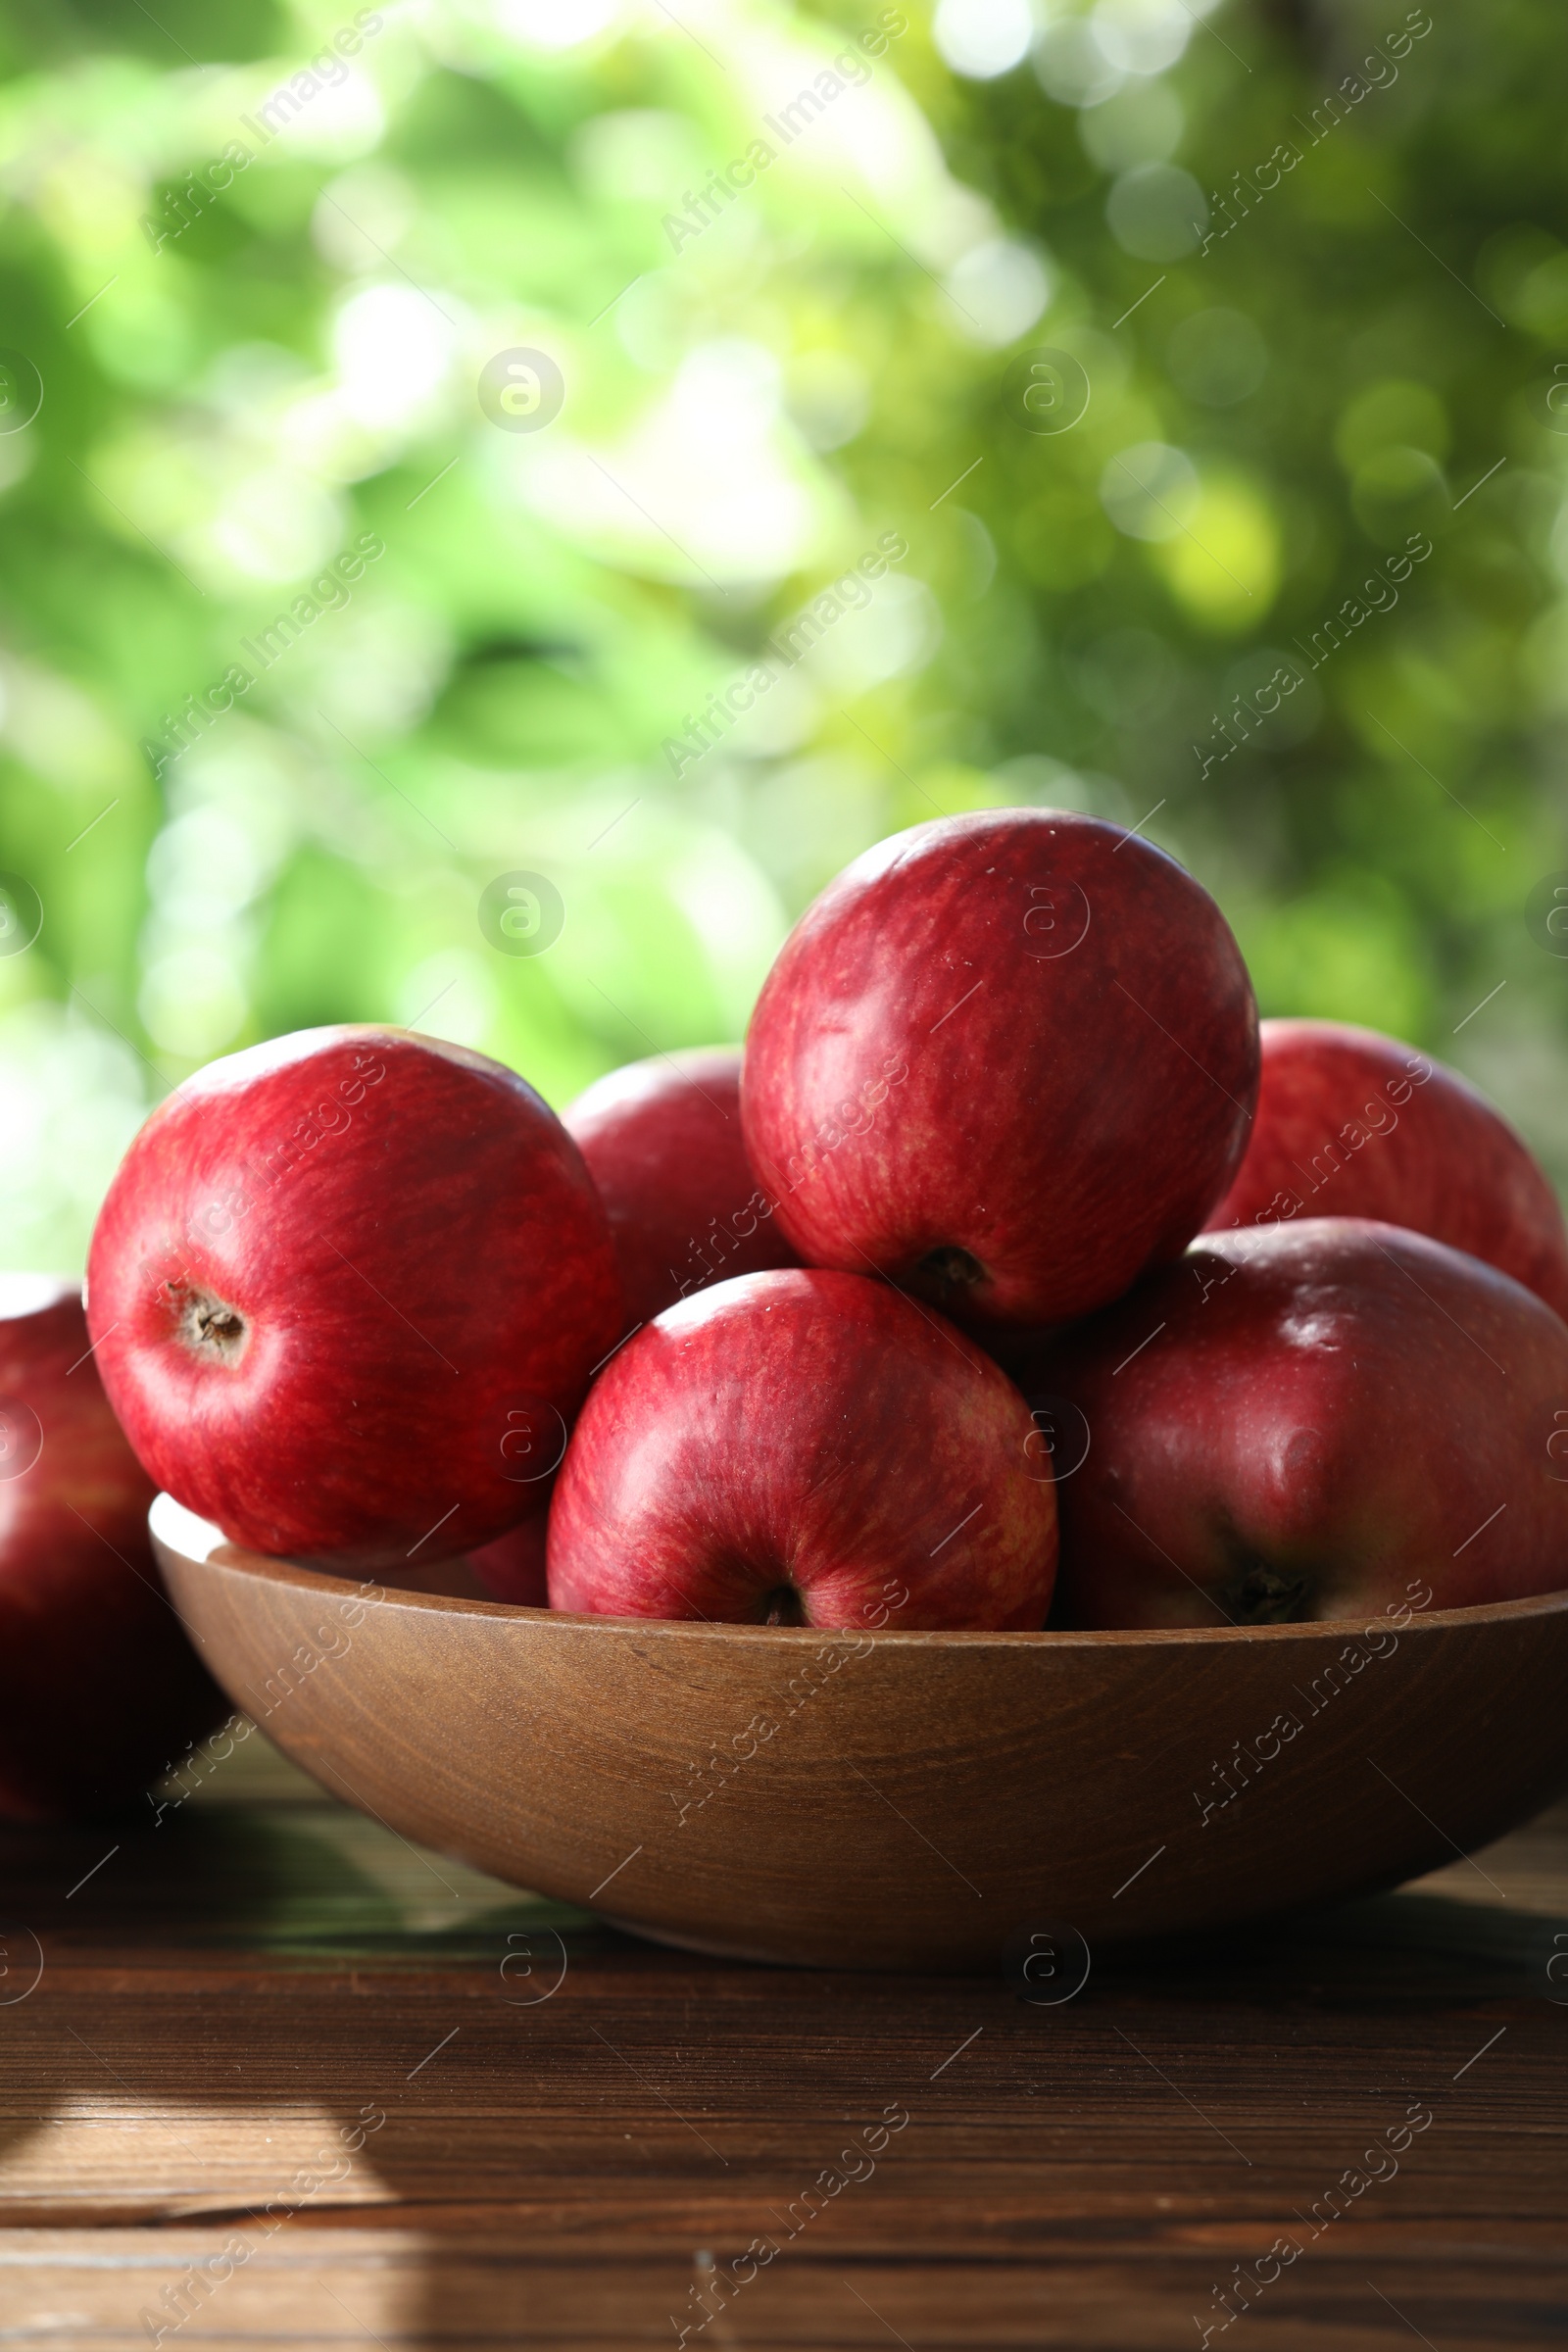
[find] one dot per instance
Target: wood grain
(233, 1987)
(893, 1801)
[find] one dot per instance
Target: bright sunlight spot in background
(983, 38)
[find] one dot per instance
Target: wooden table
(418, 2109)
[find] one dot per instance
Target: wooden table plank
(266, 2000)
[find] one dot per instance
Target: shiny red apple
(802, 1448)
(344, 1286)
(1007, 1060)
(100, 1690)
(1305, 1420)
(662, 1142)
(1353, 1124)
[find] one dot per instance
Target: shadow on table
(520, 2130)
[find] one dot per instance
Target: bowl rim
(172, 1527)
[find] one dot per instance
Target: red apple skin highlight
(1009, 1060)
(100, 1690)
(805, 1448)
(1304, 1421)
(662, 1142)
(339, 1285)
(1353, 1124)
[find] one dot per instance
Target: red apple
(1007, 1060)
(343, 1288)
(802, 1448)
(1353, 1124)
(513, 1567)
(1299, 1421)
(662, 1142)
(100, 1690)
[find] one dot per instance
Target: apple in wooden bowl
(892, 1799)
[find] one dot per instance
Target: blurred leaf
(261, 296)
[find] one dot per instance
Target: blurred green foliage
(1033, 295)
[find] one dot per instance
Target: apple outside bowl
(921, 1799)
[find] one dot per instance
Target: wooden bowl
(920, 1799)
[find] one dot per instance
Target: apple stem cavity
(1258, 1594)
(782, 1607)
(951, 1268)
(211, 1328)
